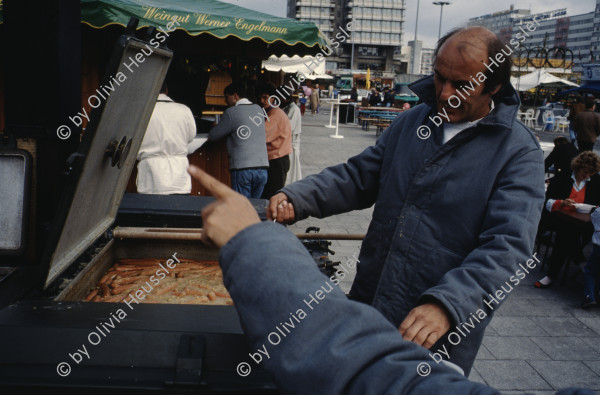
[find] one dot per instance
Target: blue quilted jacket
(451, 221)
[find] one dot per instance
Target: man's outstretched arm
(325, 344)
(337, 189)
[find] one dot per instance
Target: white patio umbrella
(538, 77)
(306, 65)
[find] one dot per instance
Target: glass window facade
(378, 22)
(579, 33)
(377, 25)
(320, 12)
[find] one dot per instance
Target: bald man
(458, 188)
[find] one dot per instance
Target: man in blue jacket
(458, 188)
(368, 353)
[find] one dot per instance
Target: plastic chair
(535, 118)
(529, 118)
(561, 125)
(548, 119)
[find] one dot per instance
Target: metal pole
(196, 234)
(440, 28)
(337, 122)
(441, 4)
(352, 55)
(415, 40)
(331, 117)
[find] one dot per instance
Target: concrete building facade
(377, 32)
(501, 22)
(579, 34)
(423, 58)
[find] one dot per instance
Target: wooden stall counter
(216, 114)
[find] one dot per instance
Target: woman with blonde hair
(566, 190)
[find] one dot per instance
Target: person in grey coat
(458, 188)
(243, 124)
(301, 327)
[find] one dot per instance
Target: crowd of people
(263, 143)
(377, 98)
(263, 156)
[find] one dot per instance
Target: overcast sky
(455, 14)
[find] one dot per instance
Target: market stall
(68, 300)
(66, 263)
(214, 43)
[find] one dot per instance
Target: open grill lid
(99, 171)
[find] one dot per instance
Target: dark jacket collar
(506, 102)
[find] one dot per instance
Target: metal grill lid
(98, 173)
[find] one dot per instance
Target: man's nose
(447, 91)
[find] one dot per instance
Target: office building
(377, 32)
(423, 58)
(577, 35)
(501, 22)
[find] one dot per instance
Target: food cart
(154, 346)
(62, 238)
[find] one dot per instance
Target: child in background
(591, 269)
(302, 104)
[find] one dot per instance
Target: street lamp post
(415, 41)
(352, 54)
(441, 4)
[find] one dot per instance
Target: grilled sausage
(91, 295)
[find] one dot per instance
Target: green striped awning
(202, 17)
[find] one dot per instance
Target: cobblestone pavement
(539, 340)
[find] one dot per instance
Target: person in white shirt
(163, 162)
(293, 112)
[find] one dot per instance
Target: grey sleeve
(325, 343)
(337, 189)
(222, 129)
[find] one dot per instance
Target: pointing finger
(211, 184)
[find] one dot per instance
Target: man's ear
(495, 90)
